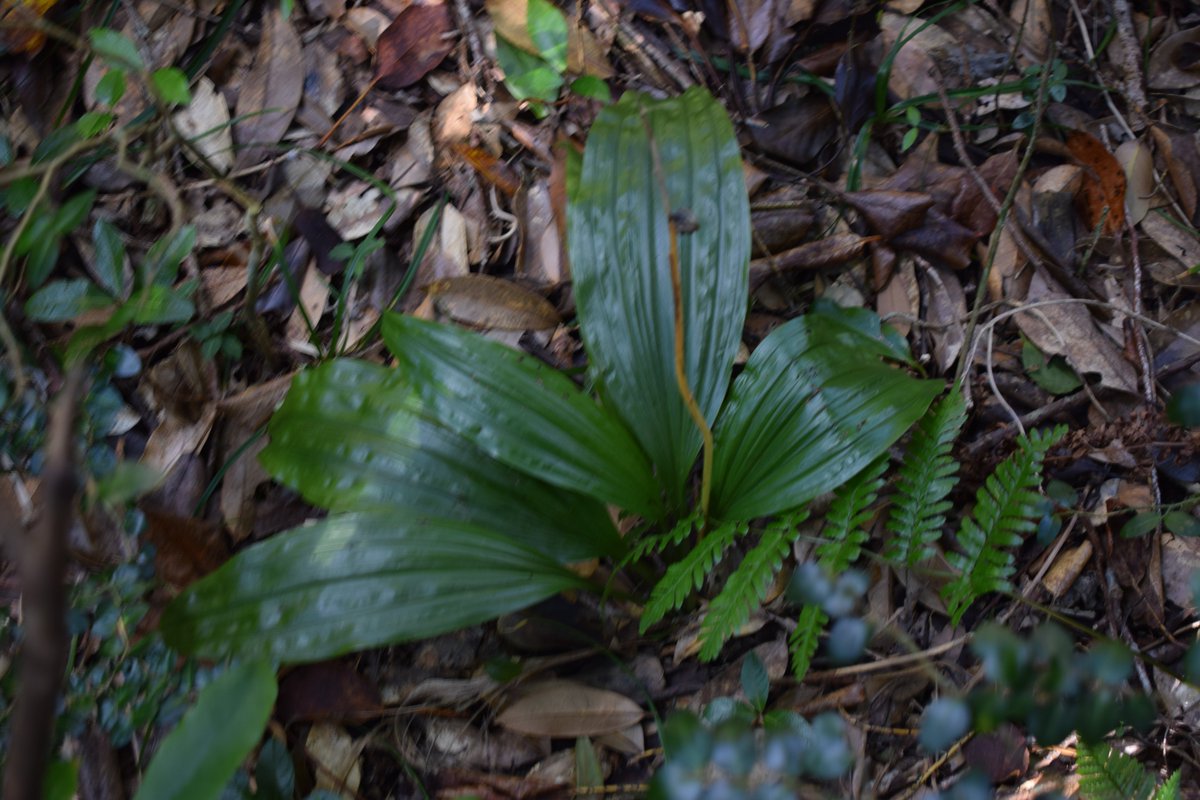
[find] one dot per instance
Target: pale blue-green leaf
(806, 415)
(354, 582)
(162, 261)
(116, 48)
(619, 241)
(111, 87)
(522, 412)
(198, 758)
(109, 263)
(356, 436)
(64, 300)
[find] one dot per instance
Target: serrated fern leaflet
(730, 609)
(1004, 509)
(686, 575)
(842, 540)
(928, 475)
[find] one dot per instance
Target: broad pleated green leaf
(522, 412)
(619, 240)
(200, 756)
(813, 407)
(354, 436)
(357, 581)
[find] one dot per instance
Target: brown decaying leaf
(496, 172)
(940, 240)
(1104, 182)
(270, 92)
(241, 416)
(832, 251)
(416, 42)
(568, 709)
(1181, 159)
(1173, 63)
(799, 131)
(331, 691)
(891, 213)
(206, 122)
(946, 311)
(1067, 329)
(485, 301)
(541, 259)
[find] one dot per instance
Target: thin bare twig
(43, 560)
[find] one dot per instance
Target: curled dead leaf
(416, 42)
(485, 301)
(560, 708)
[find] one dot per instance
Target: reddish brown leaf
(1104, 182)
(488, 302)
(327, 691)
(415, 43)
(940, 240)
(490, 168)
(831, 251)
(891, 213)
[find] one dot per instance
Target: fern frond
(748, 584)
(924, 481)
(661, 541)
(1004, 509)
(842, 539)
(1107, 774)
(1169, 790)
(686, 575)
(845, 533)
(802, 642)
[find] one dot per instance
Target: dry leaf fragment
(569, 709)
(335, 758)
(1104, 182)
(416, 42)
(831, 251)
(1067, 568)
(1134, 157)
(946, 310)
(206, 123)
(1067, 329)
(1178, 152)
(1174, 63)
(890, 213)
(488, 302)
(270, 92)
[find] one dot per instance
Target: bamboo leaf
(353, 436)
(357, 581)
(619, 240)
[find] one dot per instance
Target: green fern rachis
(748, 584)
(1004, 509)
(925, 480)
(686, 575)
